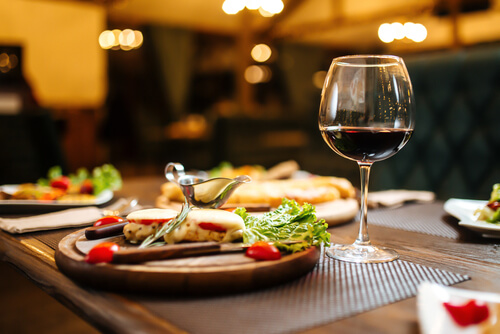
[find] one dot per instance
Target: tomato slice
(263, 251)
(108, 220)
(102, 252)
(468, 314)
(212, 227)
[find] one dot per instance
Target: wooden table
(471, 255)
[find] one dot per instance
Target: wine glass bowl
(367, 114)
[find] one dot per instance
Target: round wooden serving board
(202, 275)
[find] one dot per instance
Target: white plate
(463, 210)
(435, 319)
(12, 204)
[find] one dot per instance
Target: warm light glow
(116, 39)
(319, 79)
(8, 62)
(412, 31)
(253, 4)
(138, 39)
(232, 7)
(261, 53)
(265, 13)
(272, 6)
(267, 8)
(419, 33)
(106, 39)
(385, 33)
(257, 74)
(4, 60)
(398, 30)
(126, 37)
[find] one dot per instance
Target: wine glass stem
(363, 237)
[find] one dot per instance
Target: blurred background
(140, 83)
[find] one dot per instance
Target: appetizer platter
(59, 191)
(476, 215)
(210, 251)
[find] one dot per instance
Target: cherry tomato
(263, 251)
(494, 205)
(103, 252)
(62, 182)
(87, 187)
(108, 220)
(468, 314)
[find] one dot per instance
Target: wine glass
(367, 114)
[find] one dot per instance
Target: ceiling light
(232, 7)
(253, 4)
(385, 33)
(398, 30)
(273, 6)
(411, 31)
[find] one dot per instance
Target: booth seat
(455, 149)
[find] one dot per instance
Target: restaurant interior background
(186, 84)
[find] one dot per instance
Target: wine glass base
(362, 254)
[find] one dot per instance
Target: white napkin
(395, 198)
(49, 221)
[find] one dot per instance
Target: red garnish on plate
(102, 252)
(495, 205)
(87, 187)
(263, 251)
(108, 220)
(62, 182)
(212, 227)
(470, 313)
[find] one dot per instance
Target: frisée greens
(491, 211)
(289, 222)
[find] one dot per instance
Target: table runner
(428, 219)
(331, 291)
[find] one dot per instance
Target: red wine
(366, 144)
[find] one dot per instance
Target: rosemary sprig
(167, 228)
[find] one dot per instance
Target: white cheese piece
(229, 227)
(143, 223)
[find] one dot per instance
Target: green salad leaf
(102, 178)
(289, 222)
(106, 177)
(495, 193)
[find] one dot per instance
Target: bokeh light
(257, 74)
(232, 7)
(8, 62)
(261, 53)
(385, 33)
(388, 32)
(266, 8)
(116, 39)
(319, 79)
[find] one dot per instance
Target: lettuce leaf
(290, 222)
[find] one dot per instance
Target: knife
(104, 231)
(138, 255)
